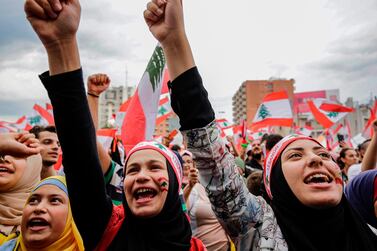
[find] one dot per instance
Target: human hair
(342, 154)
(254, 181)
(271, 140)
(176, 147)
(36, 130)
(362, 146)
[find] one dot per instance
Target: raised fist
(98, 83)
(165, 19)
(54, 21)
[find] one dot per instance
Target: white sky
(321, 44)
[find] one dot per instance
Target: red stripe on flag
(335, 108)
(173, 133)
(320, 117)
(106, 132)
(123, 107)
(134, 124)
(272, 122)
(162, 118)
(48, 106)
(276, 96)
(163, 101)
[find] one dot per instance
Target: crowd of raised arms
(279, 193)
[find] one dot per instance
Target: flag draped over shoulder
(140, 119)
(327, 112)
(275, 110)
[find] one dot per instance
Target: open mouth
(144, 193)
(4, 170)
(318, 178)
(37, 223)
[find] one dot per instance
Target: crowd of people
(277, 193)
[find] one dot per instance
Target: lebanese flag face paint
(164, 183)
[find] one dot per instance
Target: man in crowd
(50, 148)
(255, 157)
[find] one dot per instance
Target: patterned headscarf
(307, 228)
(167, 153)
(274, 155)
(170, 229)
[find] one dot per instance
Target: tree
(263, 112)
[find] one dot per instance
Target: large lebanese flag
(139, 122)
(327, 112)
(275, 110)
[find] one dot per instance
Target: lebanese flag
(119, 116)
(140, 119)
(327, 112)
(368, 129)
(306, 130)
(164, 110)
(45, 114)
(275, 110)
(176, 137)
(223, 123)
(20, 125)
(105, 137)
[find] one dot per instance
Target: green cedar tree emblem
(155, 67)
(162, 110)
(263, 112)
(35, 120)
(333, 114)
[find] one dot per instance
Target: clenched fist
(54, 21)
(98, 83)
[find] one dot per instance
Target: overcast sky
(321, 44)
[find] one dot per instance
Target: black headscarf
(309, 229)
(170, 230)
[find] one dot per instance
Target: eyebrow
(301, 149)
(295, 149)
(149, 162)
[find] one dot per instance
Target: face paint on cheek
(164, 184)
(338, 174)
(338, 179)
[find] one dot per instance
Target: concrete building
(110, 101)
(246, 100)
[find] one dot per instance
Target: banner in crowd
(275, 110)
